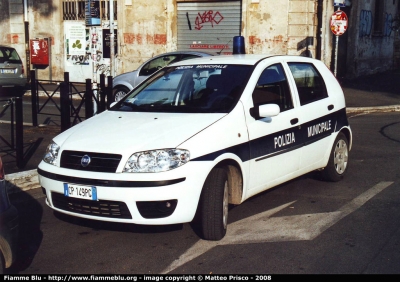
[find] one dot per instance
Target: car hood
(129, 132)
(123, 78)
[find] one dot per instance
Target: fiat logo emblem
(85, 161)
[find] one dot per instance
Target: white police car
(197, 135)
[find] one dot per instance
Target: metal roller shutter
(208, 26)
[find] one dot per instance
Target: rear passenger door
(317, 113)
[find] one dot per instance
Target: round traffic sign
(339, 22)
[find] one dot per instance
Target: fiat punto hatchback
(197, 136)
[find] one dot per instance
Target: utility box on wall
(39, 52)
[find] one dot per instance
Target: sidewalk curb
(22, 181)
(367, 110)
(28, 180)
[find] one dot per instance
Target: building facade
(142, 29)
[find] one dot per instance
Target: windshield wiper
(130, 105)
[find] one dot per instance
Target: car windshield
(9, 55)
(189, 89)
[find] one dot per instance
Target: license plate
(8, 71)
(81, 192)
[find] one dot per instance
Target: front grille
(111, 209)
(99, 162)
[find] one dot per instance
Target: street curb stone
(22, 181)
(28, 180)
(367, 110)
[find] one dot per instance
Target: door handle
(330, 107)
(294, 121)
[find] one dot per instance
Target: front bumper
(169, 197)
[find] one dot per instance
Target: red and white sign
(39, 51)
(339, 22)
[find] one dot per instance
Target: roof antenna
(219, 53)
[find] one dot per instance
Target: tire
(119, 92)
(338, 160)
(214, 205)
(2, 263)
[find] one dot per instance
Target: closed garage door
(208, 26)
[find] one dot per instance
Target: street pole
(336, 51)
(112, 37)
(27, 52)
(336, 54)
(93, 34)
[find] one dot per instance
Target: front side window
(189, 89)
(310, 84)
(272, 88)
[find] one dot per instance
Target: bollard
(102, 93)
(66, 80)
(19, 132)
(64, 107)
(109, 91)
(34, 97)
(88, 99)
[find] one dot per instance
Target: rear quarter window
(9, 55)
(309, 82)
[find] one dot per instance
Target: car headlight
(51, 153)
(157, 160)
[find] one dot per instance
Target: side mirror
(263, 111)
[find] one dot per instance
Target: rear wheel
(119, 92)
(338, 160)
(214, 205)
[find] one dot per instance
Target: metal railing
(75, 97)
(16, 120)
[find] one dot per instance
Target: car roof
(242, 59)
(7, 46)
(200, 53)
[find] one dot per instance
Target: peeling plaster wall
(4, 22)
(12, 25)
(45, 21)
(265, 27)
(144, 31)
(284, 27)
(302, 24)
(147, 28)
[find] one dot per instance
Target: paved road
(306, 226)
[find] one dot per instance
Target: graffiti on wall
(387, 28)
(366, 22)
(365, 25)
(206, 17)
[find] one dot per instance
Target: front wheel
(214, 205)
(338, 159)
(119, 92)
